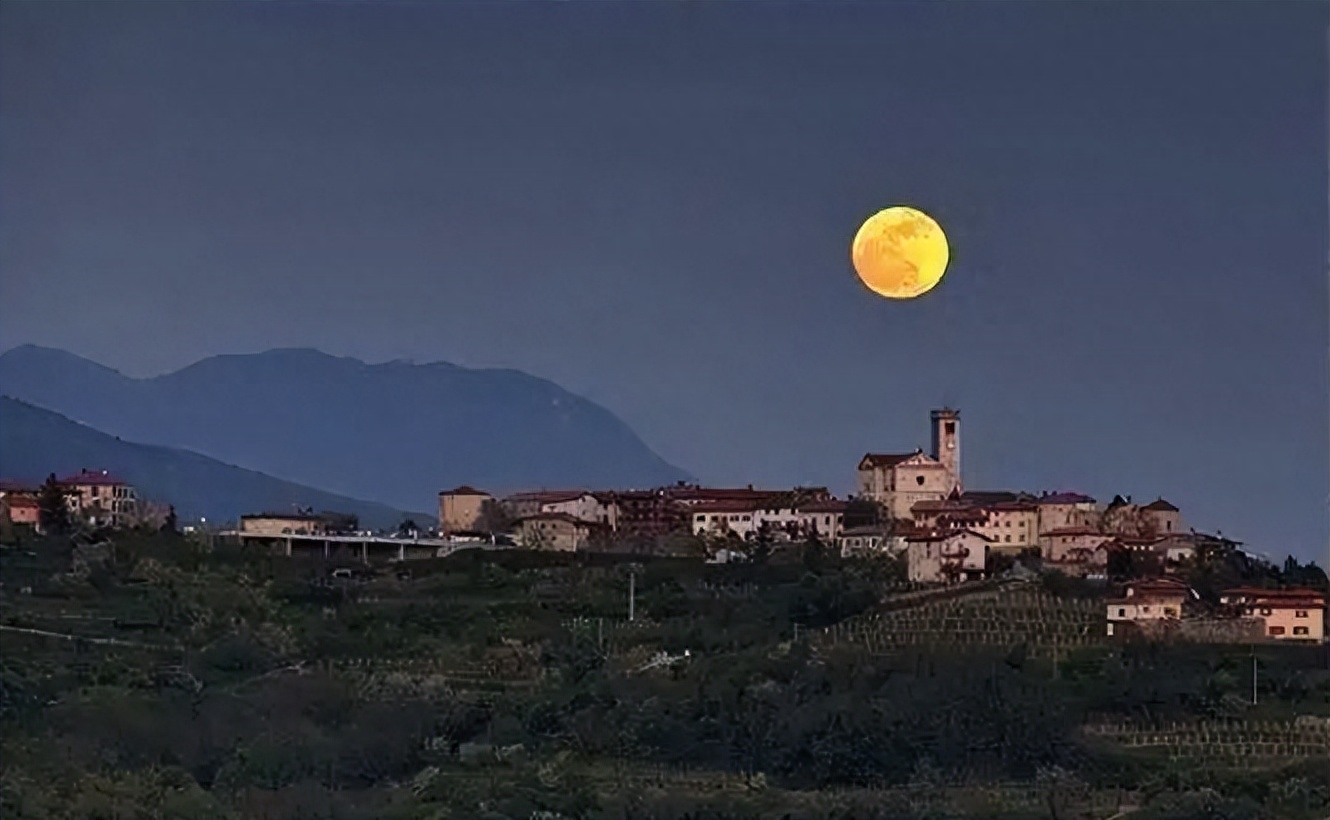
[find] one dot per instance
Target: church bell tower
(947, 443)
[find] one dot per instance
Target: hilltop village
(910, 506)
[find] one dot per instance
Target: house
(1010, 520)
(1056, 544)
(102, 498)
(946, 557)
(596, 508)
(864, 540)
(1090, 563)
(824, 518)
(274, 523)
(556, 531)
(21, 509)
(1149, 600)
(718, 518)
(899, 481)
(459, 509)
(1289, 614)
(1161, 517)
(1057, 511)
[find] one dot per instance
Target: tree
(171, 524)
(863, 512)
(52, 508)
(407, 528)
(493, 518)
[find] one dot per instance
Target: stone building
(899, 481)
(459, 509)
(556, 531)
(101, 498)
(946, 557)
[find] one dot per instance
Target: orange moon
(900, 253)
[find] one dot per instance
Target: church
(898, 481)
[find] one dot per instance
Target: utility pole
(1253, 676)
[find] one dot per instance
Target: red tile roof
(93, 478)
(1160, 505)
(888, 459)
(548, 496)
(943, 535)
(1071, 531)
(725, 506)
(22, 502)
(463, 490)
(1278, 597)
(1065, 498)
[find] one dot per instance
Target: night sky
(652, 204)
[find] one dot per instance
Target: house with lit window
(102, 498)
(946, 556)
(1153, 599)
(1289, 614)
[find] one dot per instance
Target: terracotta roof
(558, 516)
(1013, 506)
(1160, 505)
(548, 496)
(1070, 531)
(859, 532)
(725, 506)
(22, 501)
(991, 497)
(93, 478)
(887, 459)
(1065, 498)
(463, 490)
(1158, 586)
(936, 535)
(1277, 597)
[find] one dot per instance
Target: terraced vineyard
(995, 617)
(1236, 744)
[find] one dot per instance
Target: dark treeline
(512, 685)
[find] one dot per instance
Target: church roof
(888, 460)
(1160, 505)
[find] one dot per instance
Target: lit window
(1301, 613)
(1265, 611)
(1300, 630)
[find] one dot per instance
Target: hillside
(35, 442)
(396, 433)
(213, 682)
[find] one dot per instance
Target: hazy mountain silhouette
(396, 433)
(35, 442)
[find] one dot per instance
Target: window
(1300, 630)
(1145, 608)
(1276, 630)
(1122, 612)
(950, 427)
(1300, 613)
(1171, 611)
(1265, 610)
(1008, 539)
(919, 479)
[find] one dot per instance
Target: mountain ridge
(395, 432)
(35, 442)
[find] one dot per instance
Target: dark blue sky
(652, 204)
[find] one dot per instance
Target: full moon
(900, 253)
